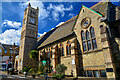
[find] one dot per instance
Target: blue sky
(50, 15)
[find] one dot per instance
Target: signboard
(109, 69)
(73, 61)
(44, 62)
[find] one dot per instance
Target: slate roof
(8, 47)
(101, 7)
(57, 33)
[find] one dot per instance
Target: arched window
(89, 45)
(50, 50)
(83, 36)
(93, 39)
(84, 46)
(61, 50)
(89, 40)
(68, 48)
(92, 32)
(87, 35)
(94, 44)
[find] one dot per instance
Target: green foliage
(34, 55)
(60, 69)
(58, 76)
(26, 69)
(41, 69)
(32, 71)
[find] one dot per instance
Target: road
(14, 77)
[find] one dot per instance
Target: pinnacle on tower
(37, 8)
(29, 4)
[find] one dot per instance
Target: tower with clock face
(28, 35)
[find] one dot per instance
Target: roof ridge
(95, 4)
(93, 11)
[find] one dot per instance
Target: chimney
(14, 44)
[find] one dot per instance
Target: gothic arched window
(89, 40)
(68, 48)
(87, 35)
(92, 32)
(61, 50)
(93, 39)
(83, 36)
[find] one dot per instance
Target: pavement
(5, 76)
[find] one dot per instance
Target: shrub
(32, 71)
(58, 76)
(26, 69)
(60, 69)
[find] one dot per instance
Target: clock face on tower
(32, 20)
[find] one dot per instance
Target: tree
(34, 55)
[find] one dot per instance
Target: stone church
(88, 44)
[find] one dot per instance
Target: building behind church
(88, 44)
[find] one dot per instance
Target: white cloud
(11, 36)
(71, 15)
(11, 24)
(54, 10)
(43, 13)
(39, 34)
(59, 24)
(58, 10)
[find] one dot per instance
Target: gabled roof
(93, 11)
(8, 47)
(102, 7)
(58, 33)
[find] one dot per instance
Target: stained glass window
(87, 35)
(94, 44)
(83, 36)
(92, 32)
(89, 45)
(67, 50)
(62, 51)
(89, 40)
(84, 46)
(86, 23)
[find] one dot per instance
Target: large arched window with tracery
(68, 48)
(89, 40)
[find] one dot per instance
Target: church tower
(28, 35)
